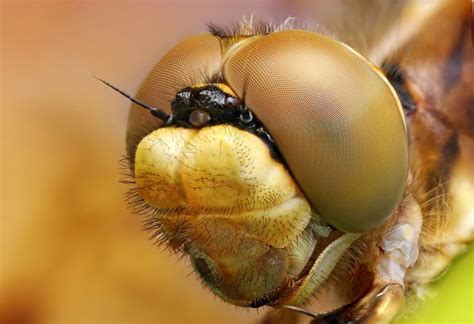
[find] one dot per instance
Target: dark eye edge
(398, 79)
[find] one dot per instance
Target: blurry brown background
(71, 252)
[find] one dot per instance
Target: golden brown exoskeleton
(290, 162)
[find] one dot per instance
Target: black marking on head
(208, 99)
(397, 78)
(221, 108)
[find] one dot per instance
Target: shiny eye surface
(190, 62)
(335, 118)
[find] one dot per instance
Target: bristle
(151, 215)
(249, 27)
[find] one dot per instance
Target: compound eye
(336, 120)
(199, 118)
(181, 66)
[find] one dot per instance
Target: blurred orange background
(71, 251)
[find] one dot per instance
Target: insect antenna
(154, 111)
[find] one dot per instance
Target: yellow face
(222, 198)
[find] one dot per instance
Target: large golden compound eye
(191, 61)
(335, 118)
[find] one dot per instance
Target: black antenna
(154, 111)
